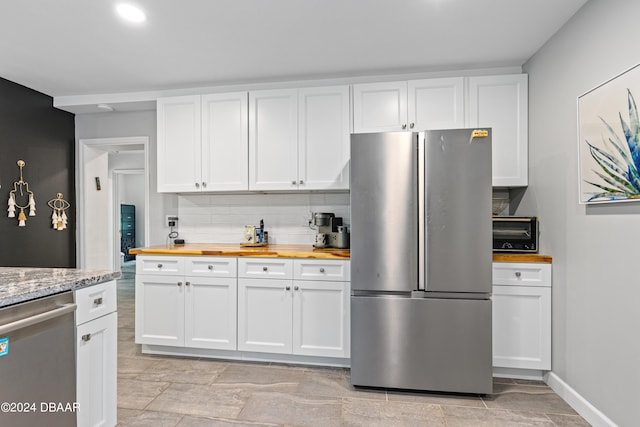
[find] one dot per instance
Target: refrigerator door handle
(422, 193)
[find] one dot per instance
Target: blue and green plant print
(619, 160)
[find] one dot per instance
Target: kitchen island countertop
(20, 284)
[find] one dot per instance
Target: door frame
(106, 144)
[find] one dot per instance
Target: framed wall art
(609, 140)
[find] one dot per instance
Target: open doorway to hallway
(111, 172)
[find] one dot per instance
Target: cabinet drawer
(95, 301)
(522, 274)
(157, 264)
(321, 270)
(275, 268)
(211, 267)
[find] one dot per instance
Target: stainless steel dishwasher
(37, 363)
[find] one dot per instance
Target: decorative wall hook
(59, 217)
(22, 186)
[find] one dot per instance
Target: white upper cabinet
(225, 136)
(501, 102)
(408, 105)
(299, 139)
(273, 139)
(323, 138)
(203, 143)
(179, 134)
(436, 103)
(379, 107)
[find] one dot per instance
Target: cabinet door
(522, 327)
(273, 140)
(500, 102)
(225, 142)
(380, 107)
(436, 103)
(159, 310)
(324, 138)
(179, 166)
(321, 320)
(96, 356)
(210, 313)
(264, 315)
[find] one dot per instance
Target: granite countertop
(235, 250)
(20, 284)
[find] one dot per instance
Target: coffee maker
(330, 231)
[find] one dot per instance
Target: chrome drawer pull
(210, 267)
(179, 283)
(288, 288)
(518, 274)
(86, 337)
(97, 301)
(187, 283)
(321, 270)
(159, 265)
(265, 268)
(296, 288)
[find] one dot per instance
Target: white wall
(97, 246)
(221, 218)
(138, 123)
(596, 285)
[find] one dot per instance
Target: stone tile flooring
(164, 391)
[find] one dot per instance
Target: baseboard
(577, 402)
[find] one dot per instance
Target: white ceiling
(75, 48)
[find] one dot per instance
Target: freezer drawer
(421, 344)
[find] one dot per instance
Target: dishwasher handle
(38, 318)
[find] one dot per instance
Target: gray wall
(596, 285)
(139, 123)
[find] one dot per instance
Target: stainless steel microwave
(515, 234)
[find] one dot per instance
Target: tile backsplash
(221, 218)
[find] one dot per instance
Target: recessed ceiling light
(131, 13)
(105, 107)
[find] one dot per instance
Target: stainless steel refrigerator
(421, 260)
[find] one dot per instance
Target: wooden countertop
(520, 257)
(233, 249)
(292, 251)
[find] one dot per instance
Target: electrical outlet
(171, 220)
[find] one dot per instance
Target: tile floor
(166, 391)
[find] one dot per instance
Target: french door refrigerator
(421, 260)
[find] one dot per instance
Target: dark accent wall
(31, 129)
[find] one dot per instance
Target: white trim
(586, 410)
(105, 143)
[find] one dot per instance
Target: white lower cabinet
(522, 315)
(192, 305)
(96, 355)
(281, 314)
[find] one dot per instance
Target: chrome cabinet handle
(187, 283)
(301, 182)
(204, 184)
(97, 301)
(288, 288)
(179, 283)
(411, 125)
(210, 267)
(293, 182)
(197, 185)
(159, 265)
(518, 274)
(404, 126)
(265, 268)
(321, 269)
(86, 337)
(296, 288)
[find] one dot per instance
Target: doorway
(104, 165)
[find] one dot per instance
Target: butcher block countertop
(291, 251)
(232, 249)
(523, 257)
